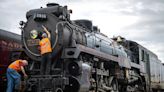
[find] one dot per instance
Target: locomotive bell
(119, 39)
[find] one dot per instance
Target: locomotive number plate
(33, 42)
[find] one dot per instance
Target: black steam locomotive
(83, 59)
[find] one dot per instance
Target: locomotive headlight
(34, 34)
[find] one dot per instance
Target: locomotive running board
(74, 52)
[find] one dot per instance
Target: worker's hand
(45, 29)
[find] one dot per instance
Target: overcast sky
(138, 20)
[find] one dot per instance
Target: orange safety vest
(16, 65)
(45, 46)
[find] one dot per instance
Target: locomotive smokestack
(52, 4)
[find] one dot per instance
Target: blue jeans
(13, 80)
(46, 64)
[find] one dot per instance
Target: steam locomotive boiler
(83, 59)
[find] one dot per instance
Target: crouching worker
(13, 77)
(45, 49)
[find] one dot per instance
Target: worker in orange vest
(13, 77)
(45, 49)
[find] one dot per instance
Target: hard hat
(44, 35)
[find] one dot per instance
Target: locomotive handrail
(122, 61)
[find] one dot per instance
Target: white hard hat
(44, 35)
